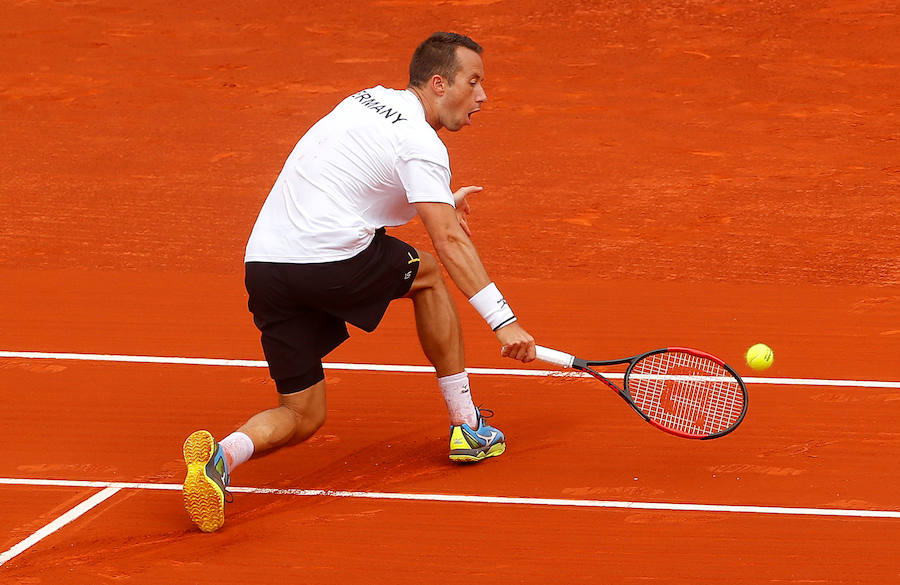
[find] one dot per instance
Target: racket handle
(545, 354)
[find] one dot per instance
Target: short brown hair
(437, 56)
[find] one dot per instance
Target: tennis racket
(682, 391)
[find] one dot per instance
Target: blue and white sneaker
(468, 445)
(204, 491)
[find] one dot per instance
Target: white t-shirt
(358, 169)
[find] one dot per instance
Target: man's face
(465, 95)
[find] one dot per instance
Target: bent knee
(429, 274)
(306, 423)
(315, 419)
(309, 415)
(308, 407)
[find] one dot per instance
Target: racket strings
(686, 393)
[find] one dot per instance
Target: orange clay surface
(710, 174)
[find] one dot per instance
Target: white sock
(455, 389)
(238, 449)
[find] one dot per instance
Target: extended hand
(462, 206)
(517, 343)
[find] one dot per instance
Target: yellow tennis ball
(760, 356)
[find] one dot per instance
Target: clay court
(704, 174)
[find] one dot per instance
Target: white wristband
(492, 307)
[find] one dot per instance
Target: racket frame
(587, 366)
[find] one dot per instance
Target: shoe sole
(203, 499)
(473, 457)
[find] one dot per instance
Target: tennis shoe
(469, 445)
(207, 477)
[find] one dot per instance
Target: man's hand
(462, 207)
(517, 343)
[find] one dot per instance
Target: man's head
(446, 72)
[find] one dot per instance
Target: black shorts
(302, 310)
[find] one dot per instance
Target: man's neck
(428, 107)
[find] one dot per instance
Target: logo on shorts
(412, 260)
(407, 275)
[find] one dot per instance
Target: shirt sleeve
(425, 181)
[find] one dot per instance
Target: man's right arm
(458, 255)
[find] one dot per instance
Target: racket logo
(684, 400)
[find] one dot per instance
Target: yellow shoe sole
(203, 499)
(498, 449)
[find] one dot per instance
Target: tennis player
(319, 257)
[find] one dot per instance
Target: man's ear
(438, 85)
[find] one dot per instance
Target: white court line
(73, 514)
(404, 368)
(111, 488)
(455, 498)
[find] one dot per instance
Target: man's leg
(437, 323)
(440, 334)
(296, 418)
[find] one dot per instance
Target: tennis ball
(760, 356)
